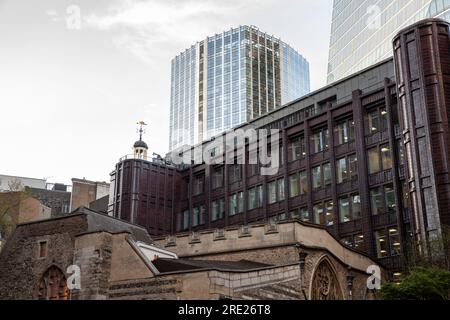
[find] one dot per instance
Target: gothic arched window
(325, 285)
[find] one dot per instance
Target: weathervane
(141, 129)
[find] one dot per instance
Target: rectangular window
(303, 182)
(347, 241)
(389, 195)
(329, 215)
(317, 177)
(235, 173)
(374, 160)
(344, 210)
(319, 216)
(381, 243)
(217, 178)
(376, 199)
(241, 202)
(356, 206)
(272, 192)
(353, 166)
(233, 205)
(199, 185)
(384, 119)
(185, 225)
(345, 131)
(293, 186)
(327, 174)
(281, 190)
(373, 122)
(394, 239)
(218, 210)
(252, 199)
(202, 215)
(401, 152)
(386, 159)
(304, 214)
(297, 149)
(319, 140)
(359, 241)
(260, 196)
(341, 170)
(43, 247)
(196, 217)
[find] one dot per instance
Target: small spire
(141, 129)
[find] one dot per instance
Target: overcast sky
(70, 98)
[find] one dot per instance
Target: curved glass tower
(229, 79)
(362, 30)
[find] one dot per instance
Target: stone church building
(292, 260)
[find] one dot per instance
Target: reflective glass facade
(229, 79)
(362, 30)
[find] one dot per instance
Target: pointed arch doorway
(53, 285)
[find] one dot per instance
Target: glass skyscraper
(362, 30)
(229, 79)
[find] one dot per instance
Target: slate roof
(98, 222)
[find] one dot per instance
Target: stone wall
(93, 255)
(20, 265)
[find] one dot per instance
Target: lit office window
(359, 241)
(373, 122)
(394, 239)
(329, 215)
(381, 243)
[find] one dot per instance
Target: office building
(229, 79)
(365, 157)
(362, 30)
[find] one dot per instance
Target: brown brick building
(367, 157)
